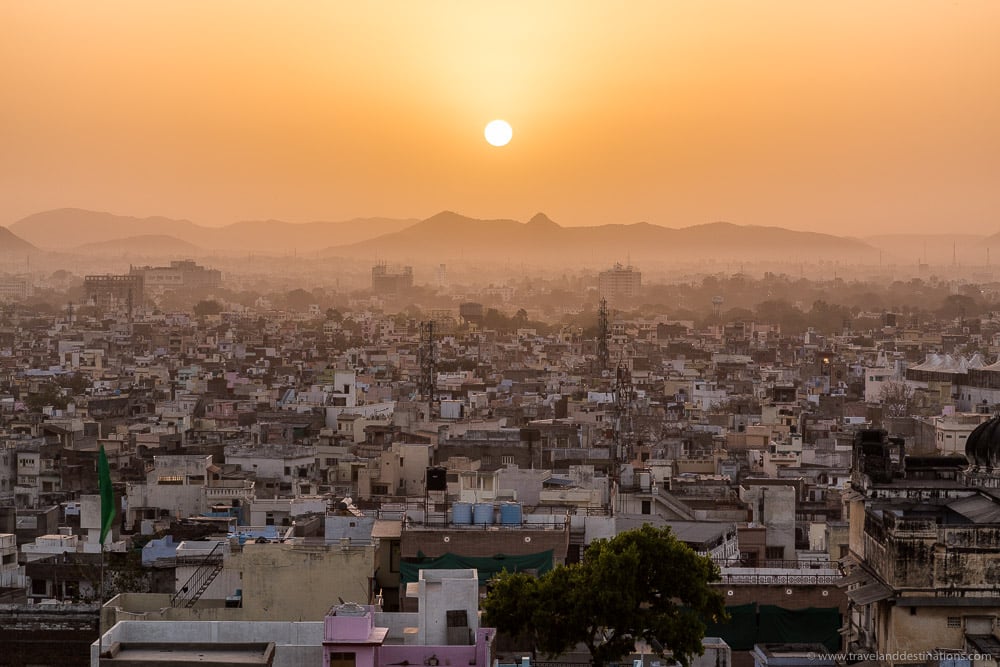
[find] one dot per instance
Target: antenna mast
(602, 336)
(427, 364)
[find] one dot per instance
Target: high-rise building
(621, 282)
(391, 281)
(110, 290)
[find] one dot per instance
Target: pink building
(443, 632)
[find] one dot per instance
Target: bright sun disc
(498, 132)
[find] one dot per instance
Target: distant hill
(11, 243)
(150, 245)
(449, 235)
(67, 228)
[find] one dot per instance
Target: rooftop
(135, 654)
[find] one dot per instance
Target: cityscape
(452, 334)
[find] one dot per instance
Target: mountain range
(68, 228)
(449, 236)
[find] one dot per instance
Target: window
(774, 553)
(342, 660)
(954, 621)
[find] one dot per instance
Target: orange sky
(855, 117)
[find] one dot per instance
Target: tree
(210, 307)
(896, 398)
(641, 584)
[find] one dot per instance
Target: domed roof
(983, 445)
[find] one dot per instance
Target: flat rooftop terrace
(136, 654)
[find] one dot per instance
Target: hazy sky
(855, 117)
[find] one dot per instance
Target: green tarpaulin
(813, 624)
(769, 624)
(741, 630)
(488, 566)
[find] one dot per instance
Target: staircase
(209, 568)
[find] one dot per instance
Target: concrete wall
(295, 643)
(927, 629)
(778, 515)
(300, 583)
(442, 591)
(46, 635)
(480, 542)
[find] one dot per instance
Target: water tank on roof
(437, 479)
(510, 514)
(482, 514)
(350, 609)
(461, 514)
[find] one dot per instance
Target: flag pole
(107, 519)
(100, 613)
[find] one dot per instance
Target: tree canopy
(641, 584)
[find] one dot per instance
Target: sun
(498, 132)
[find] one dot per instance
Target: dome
(982, 448)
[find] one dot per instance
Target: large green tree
(641, 584)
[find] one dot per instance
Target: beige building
(952, 431)
(280, 581)
(619, 283)
(924, 548)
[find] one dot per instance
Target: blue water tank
(482, 514)
(510, 514)
(461, 514)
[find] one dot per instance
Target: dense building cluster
(269, 463)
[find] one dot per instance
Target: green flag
(107, 496)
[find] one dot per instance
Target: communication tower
(624, 424)
(427, 364)
(602, 336)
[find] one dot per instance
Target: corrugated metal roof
(977, 508)
(870, 593)
(858, 576)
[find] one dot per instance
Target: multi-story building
(386, 280)
(109, 291)
(924, 547)
(619, 283)
(179, 486)
(13, 288)
(180, 274)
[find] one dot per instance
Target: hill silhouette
(147, 244)
(11, 243)
(449, 235)
(68, 228)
